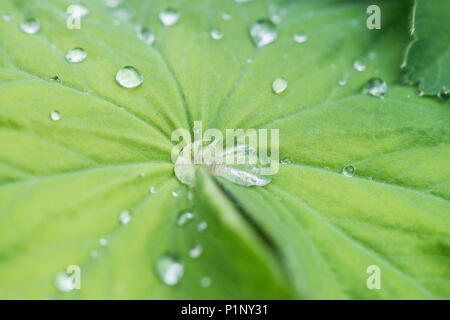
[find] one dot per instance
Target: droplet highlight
(169, 17)
(55, 115)
(184, 218)
(125, 217)
(170, 269)
(359, 66)
(300, 37)
(216, 34)
(196, 251)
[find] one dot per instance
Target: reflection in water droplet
(376, 87)
(169, 16)
(184, 218)
(30, 26)
(170, 269)
(359, 66)
(348, 171)
(146, 35)
(300, 37)
(124, 217)
(129, 77)
(205, 282)
(64, 282)
(216, 34)
(196, 251)
(54, 115)
(202, 226)
(279, 85)
(76, 55)
(263, 32)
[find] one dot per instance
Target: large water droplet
(300, 37)
(129, 77)
(279, 85)
(124, 217)
(169, 16)
(64, 282)
(76, 55)
(30, 26)
(216, 34)
(196, 251)
(170, 269)
(205, 282)
(359, 66)
(348, 171)
(263, 32)
(202, 226)
(184, 218)
(146, 35)
(376, 87)
(54, 115)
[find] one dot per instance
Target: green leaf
(428, 54)
(311, 233)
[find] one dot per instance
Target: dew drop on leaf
(64, 282)
(205, 282)
(146, 35)
(279, 85)
(359, 66)
(170, 269)
(348, 171)
(7, 17)
(103, 241)
(78, 11)
(54, 115)
(226, 16)
(129, 77)
(286, 160)
(113, 3)
(152, 190)
(376, 87)
(169, 16)
(184, 218)
(202, 226)
(196, 251)
(124, 217)
(263, 32)
(30, 26)
(216, 34)
(300, 37)
(76, 55)
(175, 193)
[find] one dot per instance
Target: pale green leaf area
(309, 234)
(428, 55)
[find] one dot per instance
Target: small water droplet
(202, 226)
(78, 11)
(286, 160)
(64, 282)
(359, 66)
(184, 218)
(7, 17)
(146, 35)
(129, 77)
(421, 93)
(279, 85)
(300, 37)
(372, 55)
(376, 87)
(94, 254)
(76, 55)
(342, 82)
(348, 171)
(226, 16)
(169, 16)
(175, 193)
(124, 217)
(249, 60)
(170, 269)
(113, 3)
(30, 26)
(152, 190)
(196, 251)
(205, 282)
(103, 241)
(263, 32)
(216, 34)
(54, 115)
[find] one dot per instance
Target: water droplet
(184, 218)
(124, 217)
(249, 60)
(146, 35)
(30, 26)
(202, 226)
(7, 17)
(421, 93)
(300, 37)
(113, 3)
(276, 14)
(444, 94)
(216, 34)
(103, 241)
(76, 55)
(348, 171)
(286, 160)
(175, 193)
(372, 55)
(263, 32)
(169, 16)
(279, 85)
(205, 282)
(359, 66)
(152, 190)
(376, 87)
(196, 251)
(170, 269)
(64, 282)
(78, 11)
(226, 16)
(94, 254)
(54, 115)
(342, 82)
(129, 77)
